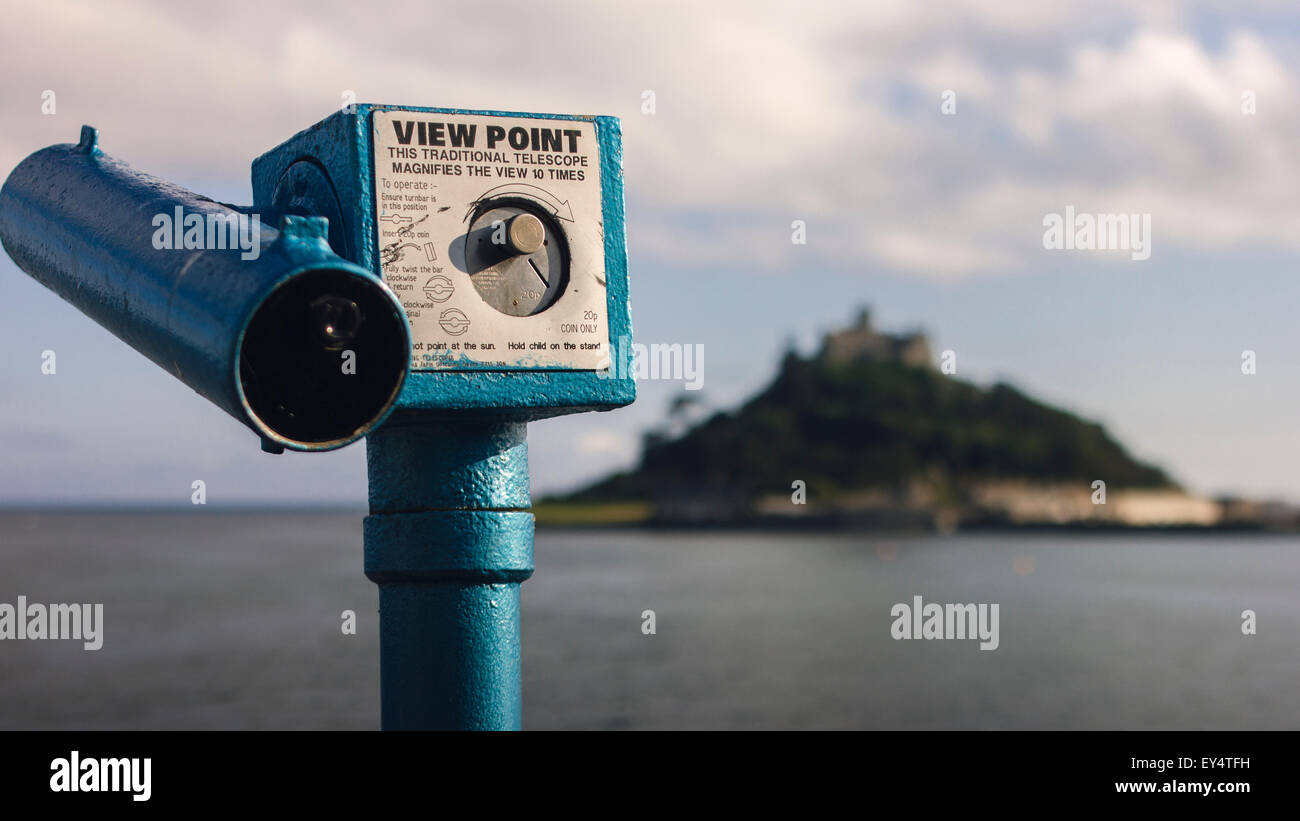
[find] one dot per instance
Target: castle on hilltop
(862, 342)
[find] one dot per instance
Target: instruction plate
(434, 172)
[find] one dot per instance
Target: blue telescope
(260, 317)
(458, 273)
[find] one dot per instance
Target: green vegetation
(562, 514)
(870, 424)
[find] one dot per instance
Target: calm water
(232, 621)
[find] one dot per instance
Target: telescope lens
(335, 320)
(324, 357)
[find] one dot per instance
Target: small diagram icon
(395, 250)
(454, 321)
(439, 289)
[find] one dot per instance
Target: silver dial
(516, 257)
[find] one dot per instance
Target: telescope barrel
(304, 347)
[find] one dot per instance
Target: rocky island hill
(870, 431)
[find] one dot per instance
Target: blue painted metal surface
(449, 539)
(83, 224)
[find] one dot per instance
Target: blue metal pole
(448, 540)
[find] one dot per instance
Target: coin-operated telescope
(457, 273)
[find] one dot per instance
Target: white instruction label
(491, 235)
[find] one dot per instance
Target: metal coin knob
(525, 233)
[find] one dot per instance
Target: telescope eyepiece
(323, 358)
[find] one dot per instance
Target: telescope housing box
(502, 234)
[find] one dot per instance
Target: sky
(920, 144)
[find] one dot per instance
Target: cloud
(766, 112)
(606, 442)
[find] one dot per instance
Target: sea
(235, 620)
